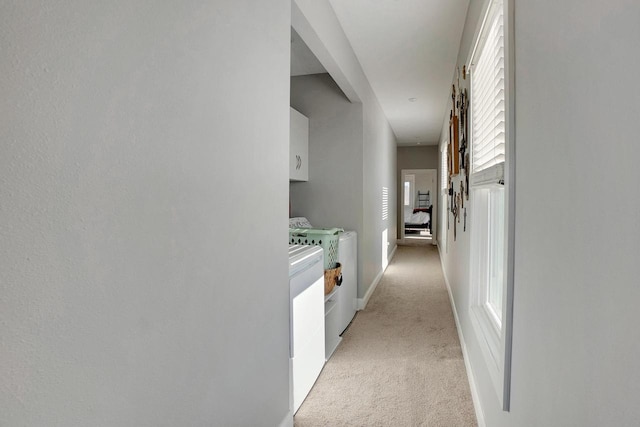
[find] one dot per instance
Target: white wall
(317, 24)
(379, 174)
(423, 184)
(333, 195)
(137, 138)
(575, 343)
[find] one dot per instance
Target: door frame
(434, 201)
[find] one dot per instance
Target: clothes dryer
(348, 258)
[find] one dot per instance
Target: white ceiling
(407, 49)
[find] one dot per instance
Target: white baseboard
(362, 302)
(470, 376)
(392, 254)
(287, 421)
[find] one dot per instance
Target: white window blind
(488, 99)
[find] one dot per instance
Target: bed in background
(418, 220)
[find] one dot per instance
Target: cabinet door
(298, 146)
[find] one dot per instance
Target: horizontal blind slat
(487, 100)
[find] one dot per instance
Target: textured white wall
(318, 25)
(423, 184)
(575, 343)
(335, 160)
(137, 137)
(576, 118)
(379, 172)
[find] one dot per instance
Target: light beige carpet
(400, 362)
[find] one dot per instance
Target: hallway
(400, 362)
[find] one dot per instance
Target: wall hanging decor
(465, 220)
(455, 213)
(466, 176)
(450, 147)
(454, 134)
(464, 108)
(451, 193)
(458, 158)
(449, 208)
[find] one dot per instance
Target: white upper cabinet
(298, 146)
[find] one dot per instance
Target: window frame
(407, 193)
(444, 167)
(495, 342)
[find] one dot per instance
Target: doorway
(418, 208)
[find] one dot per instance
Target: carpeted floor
(399, 363)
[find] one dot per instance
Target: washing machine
(306, 319)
